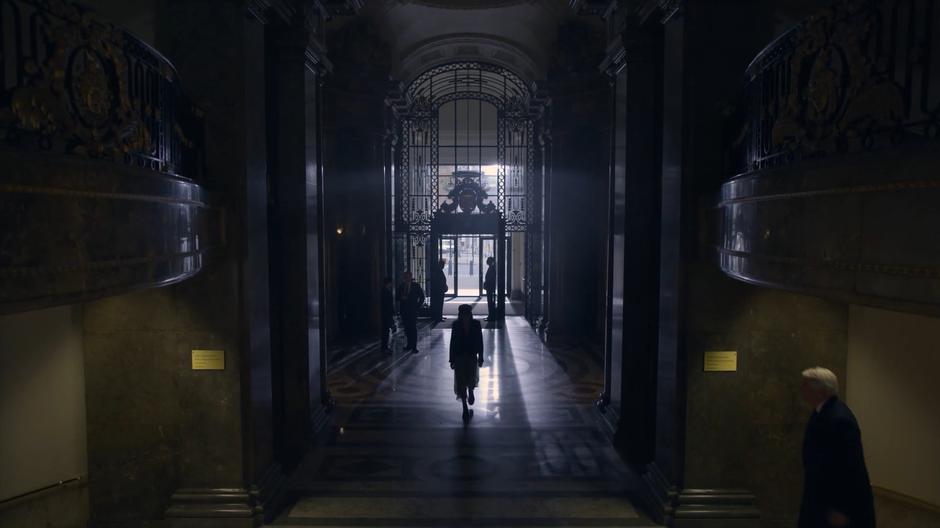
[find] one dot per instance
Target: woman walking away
(466, 356)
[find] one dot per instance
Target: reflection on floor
(451, 304)
(531, 456)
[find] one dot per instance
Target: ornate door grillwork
(466, 147)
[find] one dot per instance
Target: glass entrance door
(465, 262)
(468, 265)
(447, 250)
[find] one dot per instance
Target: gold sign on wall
(721, 361)
(208, 360)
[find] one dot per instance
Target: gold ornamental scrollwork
(839, 93)
(77, 96)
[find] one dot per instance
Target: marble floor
(400, 455)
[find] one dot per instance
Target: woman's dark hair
(465, 310)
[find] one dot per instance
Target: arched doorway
(467, 179)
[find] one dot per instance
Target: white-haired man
(836, 489)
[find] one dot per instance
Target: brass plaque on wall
(208, 360)
(721, 361)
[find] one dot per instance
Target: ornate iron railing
(861, 75)
(72, 84)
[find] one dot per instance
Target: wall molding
(270, 492)
(717, 507)
(659, 495)
(857, 228)
(699, 507)
(193, 507)
(840, 265)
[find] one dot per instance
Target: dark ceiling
(467, 4)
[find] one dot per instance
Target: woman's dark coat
(466, 353)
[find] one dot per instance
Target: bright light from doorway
(490, 170)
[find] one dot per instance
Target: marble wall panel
(744, 429)
(154, 423)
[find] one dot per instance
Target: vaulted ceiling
(517, 34)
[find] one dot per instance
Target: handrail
(769, 53)
(42, 489)
(74, 85)
(860, 75)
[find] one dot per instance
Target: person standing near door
(438, 289)
(489, 285)
(410, 299)
(387, 312)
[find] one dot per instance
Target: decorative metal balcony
(861, 75)
(834, 177)
(100, 159)
(71, 84)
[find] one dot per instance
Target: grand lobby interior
(686, 204)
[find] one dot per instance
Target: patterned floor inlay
(533, 454)
(476, 507)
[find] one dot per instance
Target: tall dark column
(666, 470)
(545, 142)
(228, 472)
(501, 267)
(577, 227)
(634, 65)
(296, 188)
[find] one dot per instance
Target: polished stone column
(577, 227)
(634, 63)
(354, 187)
(220, 51)
(669, 382)
(545, 178)
(296, 191)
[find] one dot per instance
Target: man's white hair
(822, 378)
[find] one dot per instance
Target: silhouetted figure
(489, 285)
(387, 312)
(438, 289)
(836, 489)
(466, 356)
(410, 299)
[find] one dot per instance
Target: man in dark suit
(387, 311)
(489, 285)
(410, 299)
(836, 489)
(438, 289)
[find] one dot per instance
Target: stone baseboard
(659, 495)
(213, 508)
(270, 492)
(716, 508)
(229, 507)
(697, 508)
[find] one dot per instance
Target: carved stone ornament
(468, 196)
